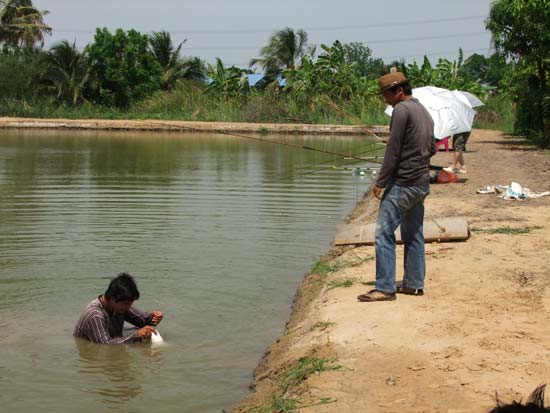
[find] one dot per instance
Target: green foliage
(321, 268)
(521, 32)
(489, 70)
(306, 367)
(284, 50)
(446, 74)
(332, 77)
(281, 402)
(195, 69)
(523, 87)
(22, 24)
(361, 55)
(167, 56)
(134, 76)
(332, 284)
(123, 67)
(17, 70)
(520, 29)
(284, 404)
(64, 73)
(497, 113)
(324, 268)
(225, 82)
(322, 325)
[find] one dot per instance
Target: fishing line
(237, 135)
(339, 159)
(293, 175)
(360, 123)
(357, 122)
(325, 168)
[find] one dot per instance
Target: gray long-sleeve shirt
(98, 326)
(410, 146)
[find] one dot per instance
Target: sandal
(410, 291)
(407, 290)
(376, 295)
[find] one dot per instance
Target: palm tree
(22, 24)
(195, 68)
(65, 73)
(160, 44)
(283, 51)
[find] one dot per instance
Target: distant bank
(184, 126)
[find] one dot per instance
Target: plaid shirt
(98, 326)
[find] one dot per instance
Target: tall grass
(189, 102)
(498, 113)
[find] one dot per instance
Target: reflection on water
(113, 363)
(217, 231)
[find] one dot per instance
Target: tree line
(128, 72)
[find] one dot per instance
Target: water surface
(218, 232)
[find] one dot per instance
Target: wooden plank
(441, 229)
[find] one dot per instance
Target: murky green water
(218, 232)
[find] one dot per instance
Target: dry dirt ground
(482, 327)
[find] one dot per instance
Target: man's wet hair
(122, 288)
(407, 89)
(534, 404)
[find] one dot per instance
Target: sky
(236, 30)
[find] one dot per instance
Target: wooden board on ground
(435, 230)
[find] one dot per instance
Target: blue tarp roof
(254, 78)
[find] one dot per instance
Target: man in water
(104, 317)
(404, 181)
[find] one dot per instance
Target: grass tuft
(281, 404)
(321, 268)
(345, 283)
(322, 325)
(305, 367)
(324, 268)
(507, 230)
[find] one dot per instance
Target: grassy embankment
(188, 102)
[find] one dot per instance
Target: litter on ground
(512, 191)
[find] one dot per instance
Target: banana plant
(228, 82)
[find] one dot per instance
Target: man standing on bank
(104, 317)
(403, 183)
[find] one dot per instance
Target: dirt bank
(481, 327)
(183, 126)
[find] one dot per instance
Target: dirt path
(482, 326)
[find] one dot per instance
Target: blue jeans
(401, 206)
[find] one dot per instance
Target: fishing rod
(238, 135)
(357, 122)
(361, 124)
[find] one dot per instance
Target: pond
(218, 232)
